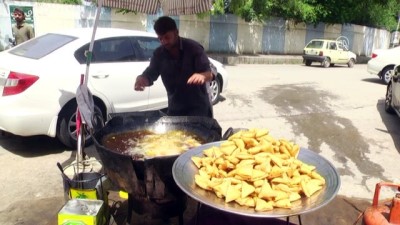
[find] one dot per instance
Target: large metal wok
(149, 181)
(184, 171)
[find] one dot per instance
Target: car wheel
(386, 74)
(308, 62)
(351, 63)
(326, 63)
(66, 125)
(215, 88)
(332, 65)
(388, 99)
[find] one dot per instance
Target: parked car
(328, 53)
(392, 100)
(39, 80)
(382, 63)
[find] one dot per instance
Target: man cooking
(185, 71)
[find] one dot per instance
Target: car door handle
(100, 76)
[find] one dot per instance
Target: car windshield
(315, 44)
(41, 46)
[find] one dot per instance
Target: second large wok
(124, 170)
(149, 181)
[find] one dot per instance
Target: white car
(382, 63)
(328, 53)
(39, 80)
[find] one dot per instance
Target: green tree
(66, 2)
(375, 13)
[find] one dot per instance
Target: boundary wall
(222, 34)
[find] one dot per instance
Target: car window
(332, 45)
(341, 46)
(42, 46)
(109, 50)
(315, 44)
(146, 46)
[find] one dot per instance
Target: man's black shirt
(183, 99)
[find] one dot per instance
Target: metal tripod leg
(298, 217)
(181, 219)
(197, 213)
(129, 215)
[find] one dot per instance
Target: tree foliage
(375, 13)
(65, 2)
(372, 13)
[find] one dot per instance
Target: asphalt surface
(336, 112)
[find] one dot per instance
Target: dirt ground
(354, 133)
(340, 211)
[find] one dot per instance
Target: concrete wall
(191, 27)
(246, 30)
(296, 37)
(226, 34)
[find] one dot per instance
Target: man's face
(169, 40)
(18, 16)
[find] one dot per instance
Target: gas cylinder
(385, 213)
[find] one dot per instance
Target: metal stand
(130, 209)
(129, 216)
(198, 212)
(298, 217)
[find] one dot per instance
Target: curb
(267, 59)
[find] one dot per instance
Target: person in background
(185, 71)
(1, 46)
(21, 30)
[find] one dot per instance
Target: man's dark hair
(18, 10)
(164, 24)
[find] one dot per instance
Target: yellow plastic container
(123, 194)
(83, 194)
(82, 212)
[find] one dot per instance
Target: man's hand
(141, 83)
(200, 78)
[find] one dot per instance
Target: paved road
(337, 112)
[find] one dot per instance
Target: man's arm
(201, 64)
(200, 78)
(31, 33)
(149, 75)
(141, 82)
